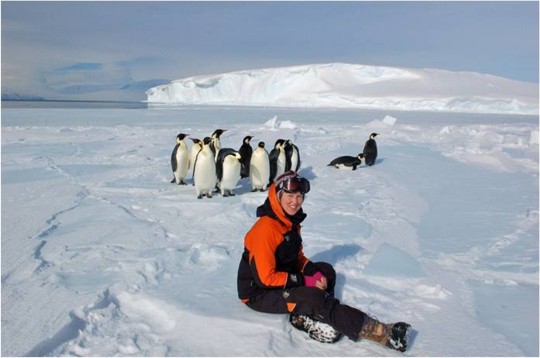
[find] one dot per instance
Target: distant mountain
(20, 97)
(131, 92)
(339, 85)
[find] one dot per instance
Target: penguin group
(369, 154)
(217, 169)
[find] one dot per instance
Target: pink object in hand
(311, 281)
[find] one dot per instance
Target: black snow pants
(312, 301)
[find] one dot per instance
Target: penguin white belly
(295, 161)
(231, 175)
(281, 162)
(193, 155)
(205, 173)
(259, 170)
(182, 167)
(344, 167)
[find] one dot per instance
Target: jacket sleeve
(261, 242)
(303, 261)
(310, 268)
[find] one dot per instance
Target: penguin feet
(208, 195)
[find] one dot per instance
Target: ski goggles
(293, 184)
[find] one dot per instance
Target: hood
(273, 209)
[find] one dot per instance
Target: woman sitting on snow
(274, 276)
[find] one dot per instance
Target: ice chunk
(275, 124)
(381, 124)
(391, 261)
(389, 120)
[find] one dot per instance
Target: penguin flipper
(299, 160)
(174, 165)
(219, 169)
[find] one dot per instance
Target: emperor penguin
(347, 161)
(216, 142)
(292, 156)
(245, 152)
(277, 160)
(180, 160)
(204, 170)
(259, 168)
(228, 167)
(195, 149)
(370, 150)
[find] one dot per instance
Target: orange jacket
(273, 257)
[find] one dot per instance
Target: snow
(341, 85)
(102, 256)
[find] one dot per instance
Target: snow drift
(339, 85)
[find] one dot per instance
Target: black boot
(393, 336)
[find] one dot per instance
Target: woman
(274, 276)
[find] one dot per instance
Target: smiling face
(291, 202)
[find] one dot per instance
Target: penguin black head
(218, 132)
(360, 156)
(181, 136)
(196, 140)
(261, 145)
(247, 139)
(279, 143)
(373, 135)
(207, 140)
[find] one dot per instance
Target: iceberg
(340, 85)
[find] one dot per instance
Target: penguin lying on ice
(347, 161)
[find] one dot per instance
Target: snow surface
(339, 85)
(102, 256)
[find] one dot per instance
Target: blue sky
(91, 50)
